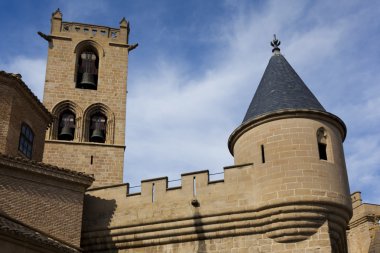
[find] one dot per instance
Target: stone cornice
(84, 143)
(57, 37)
(46, 170)
(292, 221)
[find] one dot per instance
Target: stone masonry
(45, 197)
(287, 191)
(19, 105)
(66, 42)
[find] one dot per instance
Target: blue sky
(198, 65)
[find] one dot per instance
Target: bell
(66, 134)
(88, 80)
(97, 136)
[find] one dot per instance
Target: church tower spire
(297, 152)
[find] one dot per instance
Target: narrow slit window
(194, 187)
(92, 159)
(153, 190)
(262, 154)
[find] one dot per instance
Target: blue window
(25, 144)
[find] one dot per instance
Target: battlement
(155, 189)
(72, 29)
(356, 199)
(200, 208)
(90, 30)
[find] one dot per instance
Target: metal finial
(275, 43)
(57, 13)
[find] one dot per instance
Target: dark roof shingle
(281, 89)
(12, 227)
(46, 169)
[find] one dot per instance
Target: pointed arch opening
(88, 55)
(67, 121)
(99, 123)
(66, 128)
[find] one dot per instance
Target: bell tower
(85, 89)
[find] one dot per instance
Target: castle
(62, 189)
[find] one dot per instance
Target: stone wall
(102, 160)
(5, 112)
(18, 105)
(67, 41)
(207, 216)
(317, 243)
(363, 233)
(44, 197)
(292, 167)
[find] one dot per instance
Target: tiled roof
(17, 78)
(14, 228)
(54, 170)
(281, 89)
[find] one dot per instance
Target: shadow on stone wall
(201, 247)
(97, 216)
(375, 240)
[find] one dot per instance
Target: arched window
(66, 129)
(67, 122)
(87, 68)
(322, 143)
(98, 128)
(25, 144)
(99, 124)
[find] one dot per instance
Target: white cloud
(364, 165)
(179, 120)
(32, 71)
(177, 123)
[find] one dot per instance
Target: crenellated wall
(284, 199)
(199, 214)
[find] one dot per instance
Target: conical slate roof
(281, 89)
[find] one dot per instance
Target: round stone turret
(297, 152)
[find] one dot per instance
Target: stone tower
(299, 166)
(85, 89)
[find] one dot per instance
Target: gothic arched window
(66, 129)
(98, 125)
(87, 69)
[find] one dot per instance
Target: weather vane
(275, 43)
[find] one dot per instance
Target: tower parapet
(62, 28)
